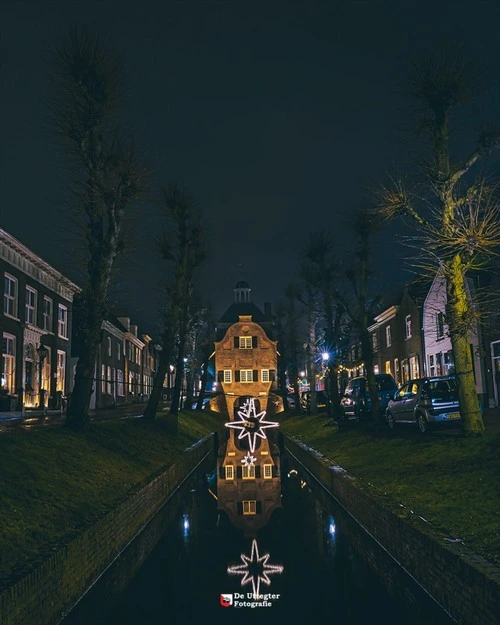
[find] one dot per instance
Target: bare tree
(462, 226)
(323, 271)
(106, 179)
(359, 302)
(182, 244)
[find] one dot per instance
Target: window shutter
(275, 471)
(220, 376)
(255, 375)
(257, 471)
(258, 507)
(237, 375)
(254, 341)
(238, 472)
(236, 341)
(222, 472)
(239, 507)
(272, 375)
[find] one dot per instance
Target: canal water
(300, 568)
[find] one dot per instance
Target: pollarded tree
(359, 302)
(106, 179)
(323, 271)
(183, 245)
(462, 226)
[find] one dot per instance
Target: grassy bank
(55, 481)
(450, 481)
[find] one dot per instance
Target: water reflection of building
(248, 475)
(248, 484)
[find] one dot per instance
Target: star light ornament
(255, 569)
(248, 460)
(251, 424)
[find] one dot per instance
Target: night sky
(276, 116)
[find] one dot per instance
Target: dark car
(426, 403)
(356, 403)
(305, 401)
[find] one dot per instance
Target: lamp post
(42, 355)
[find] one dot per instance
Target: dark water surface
(301, 564)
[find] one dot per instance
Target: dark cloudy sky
(276, 116)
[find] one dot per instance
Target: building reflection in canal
(290, 558)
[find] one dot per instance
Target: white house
(437, 344)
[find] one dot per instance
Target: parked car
(356, 403)
(305, 401)
(426, 403)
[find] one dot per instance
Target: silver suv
(426, 402)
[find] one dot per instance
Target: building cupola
(242, 292)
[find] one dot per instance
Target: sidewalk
(35, 419)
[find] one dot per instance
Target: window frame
(408, 334)
(227, 376)
(48, 313)
(263, 373)
(248, 472)
(8, 297)
(267, 471)
(388, 337)
(30, 305)
(243, 342)
(244, 374)
(249, 507)
(62, 321)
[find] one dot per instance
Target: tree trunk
(457, 311)
(157, 390)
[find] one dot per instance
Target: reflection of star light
(251, 424)
(255, 569)
(248, 460)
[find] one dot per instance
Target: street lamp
(42, 355)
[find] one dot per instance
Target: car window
(443, 390)
(386, 384)
(413, 389)
(402, 391)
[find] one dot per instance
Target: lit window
(268, 471)
(248, 472)
(246, 375)
(10, 296)
(388, 366)
(109, 345)
(388, 336)
(103, 378)
(249, 507)
(245, 342)
(62, 321)
(61, 371)
(9, 363)
(229, 469)
(30, 307)
(265, 375)
(119, 382)
(109, 381)
(47, 314)
(408, 327)
(228, 376)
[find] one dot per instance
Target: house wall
(261, 357)
(438, 348)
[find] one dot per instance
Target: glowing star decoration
(251, 424)
(248, 460)
(255, 569)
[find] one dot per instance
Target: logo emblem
(226, 601)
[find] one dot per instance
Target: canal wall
(48, 593)
(398, 544)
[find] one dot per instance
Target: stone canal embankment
(461, 582)
(49, 591)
